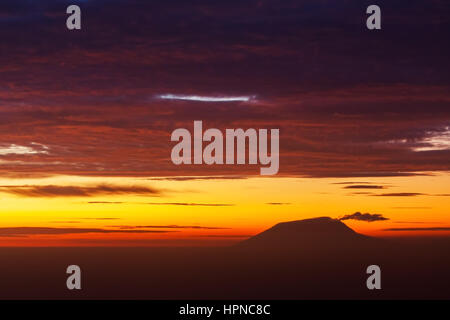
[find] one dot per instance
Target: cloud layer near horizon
(28, 231)
(50, 191)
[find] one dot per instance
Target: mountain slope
(309, 234)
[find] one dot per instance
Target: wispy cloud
(194, 178)
(409, 222)
(65, 221)
(225, 235)
(400, 194)
(361, 193)
(352, 182)
(406, 208)
(205, 98)
(411, 194)
(278, 203)
(14, 149)
(368, 217)
(435, 141)
(364, 186)
(101, 219)
(174, 226)
(419, 229)
(105, 202)
(190, 204)
(195, 204)
(77, 191)
(79, 220)
(26, 231)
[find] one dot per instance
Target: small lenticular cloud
(206, 98)
(368, 217)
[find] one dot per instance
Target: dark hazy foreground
(309, 259)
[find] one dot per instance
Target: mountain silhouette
(310, 234)
(319, 258)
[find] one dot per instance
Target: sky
(86, 118)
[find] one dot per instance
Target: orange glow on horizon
(214, 211)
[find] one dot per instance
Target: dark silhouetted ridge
(308, 234)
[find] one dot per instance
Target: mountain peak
(313, 225)
(315, 233)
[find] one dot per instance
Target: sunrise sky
(86, 118)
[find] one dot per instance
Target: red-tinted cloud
(348, 103)
(78, 191)
(368, 217)
(27, 231)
